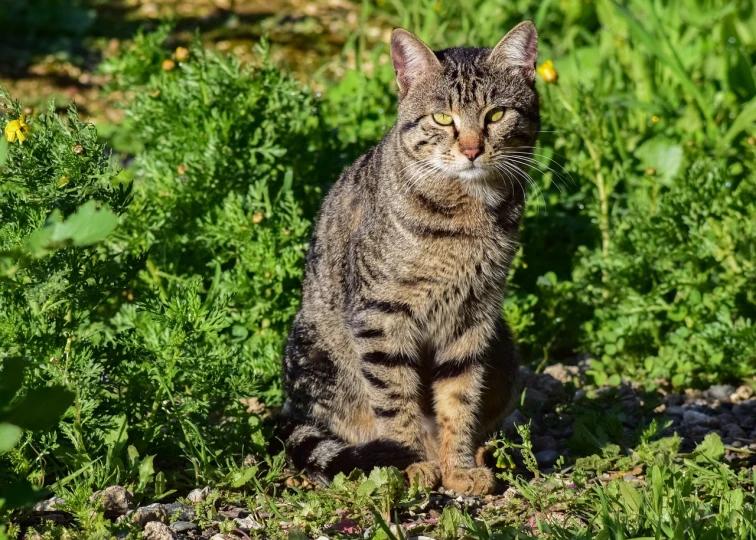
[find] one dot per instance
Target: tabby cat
(399, 355)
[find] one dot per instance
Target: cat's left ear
(518, 48)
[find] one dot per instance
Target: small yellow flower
(752, 141)
(168, 65)
(16, 129)
(257, 217)
(64, 180)
(548, 72)
(654, 118)
(181, 54)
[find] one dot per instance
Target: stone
(579, 395)
(674, 410)
(183, 526)
(515, 418)
(150, 513)
(695, 418)
(564, 374)
(545, 442)
(550, 387)
(546, 458)
(743, 393)
(53, 504)
(115, 501)
(535, 400)
(154, 530)
(179, 512)
(198, 495)
(733, 431)
(248, 524)
(630, 478)
(720, 392)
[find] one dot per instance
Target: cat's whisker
(534, 163)
(529, 156)
(514, 166)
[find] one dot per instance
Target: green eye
(443, 119)
(495, 115)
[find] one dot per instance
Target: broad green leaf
(9, 436)
(711, 448)
(450, 522)
(242, 477)
(661, 154)
(630, 496)
(21, 494)
(366, 488)
(88, 225)
(146, 472)
(39, 409)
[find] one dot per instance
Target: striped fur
(399, 355)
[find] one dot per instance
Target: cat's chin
(473, 174)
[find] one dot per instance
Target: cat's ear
(518, 48)
(412, 59)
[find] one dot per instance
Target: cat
(399, 355)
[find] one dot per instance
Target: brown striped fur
(399, 355)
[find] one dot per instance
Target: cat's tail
(322, 455)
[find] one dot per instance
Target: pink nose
(470, 151)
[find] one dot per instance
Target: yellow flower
(16, 129)
(181, 54)
(548, 71)
(654, 118)
(168, 65)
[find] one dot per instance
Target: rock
(546, 458)
(564, 374)
(550, 387)
(674, 410)
(115, 501)
(150, 513)
(53, 504)
(535, 400)
(155, 530)
(630, 478)
(579, 395)
(248, 524)
(179, 512)
(733, 431)
(526, 377)
(183, 526)
(218, 537)
(695, 418)
(743, 393)
(720, 392)
(546, 442)
(198, 495)
(515, 418)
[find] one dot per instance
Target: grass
(163, 306)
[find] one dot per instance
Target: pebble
(546, 458)
(675, 410)
(198, 495)
(545, 442)
(630, 478)
(515, 418)
(53, 504)
(720, 392)
(180, 512)
(248, 524)
(535, 400)
(183, 526)
(150, 513)
(562, 373)
(695, 418)
(115, 500)
(155, 530)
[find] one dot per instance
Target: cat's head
(466, 112)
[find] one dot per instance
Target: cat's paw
(477, 481)
(427, 474)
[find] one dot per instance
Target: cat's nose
(470, 151)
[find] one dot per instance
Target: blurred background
(219, 125)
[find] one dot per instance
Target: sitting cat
(399, 355)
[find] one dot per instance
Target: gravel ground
(552, 403)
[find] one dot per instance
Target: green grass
(164, 306)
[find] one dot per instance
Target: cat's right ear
(412, 59)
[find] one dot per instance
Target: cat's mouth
(472, 171)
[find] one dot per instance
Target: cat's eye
(494, 115)
(443, 119)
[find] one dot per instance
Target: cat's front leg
(461, 380)
(389, 363)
